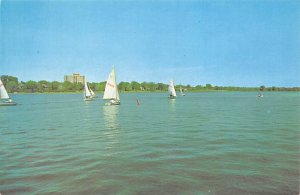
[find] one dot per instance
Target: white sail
(87, 92)
(3, 92)
(111, 88)
(92, 92)
(172, 89)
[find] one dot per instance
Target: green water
(203, 143)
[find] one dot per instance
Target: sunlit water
(203, 143)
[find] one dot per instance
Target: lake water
(203, 143)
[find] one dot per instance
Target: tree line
(12, 85)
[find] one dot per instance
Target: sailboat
(87, 93)
(260, 95)
(4, 95)
(182, 94)
(111, 89)
(172, 90)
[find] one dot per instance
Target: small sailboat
(260, 95)
(181, 92)
(87, 93)
(111, 89)
(172, 90)
(4, 95)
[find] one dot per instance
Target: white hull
(88, 99)
(172, 97)
(113, 103)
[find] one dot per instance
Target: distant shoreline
(128, 92)
(12, 85)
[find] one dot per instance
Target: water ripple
(203, 143)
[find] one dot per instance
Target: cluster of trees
(13, 85)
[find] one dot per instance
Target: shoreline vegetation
(13, 85)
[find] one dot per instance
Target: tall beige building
(75, 78)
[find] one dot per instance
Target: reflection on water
(110, 115)
(87, 110)
(172, 104)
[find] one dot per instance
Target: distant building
(75, 78)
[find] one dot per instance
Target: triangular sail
(111, 88)
(92, 92)
(87, 92)
(172, 89)
(3, 92)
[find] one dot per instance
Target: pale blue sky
(237, 43)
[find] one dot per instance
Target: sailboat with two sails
(4, 96)
(111, 89)
(88, 94)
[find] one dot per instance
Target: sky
(224, 43)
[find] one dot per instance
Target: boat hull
(88, 99)
(8, 104)
(113, 103)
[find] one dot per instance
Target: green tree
(135, 85)
(198, 87)
(77, 87)
(67, 86)
(144, 86)
(125, 86)
(31, 86)
(11, 86)
(208, 86)
(100, 86)
(162, 87)
(5, 79)
(152, 86)
(43, 86)
(121, 86)
(22, 86)
(55, 86)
